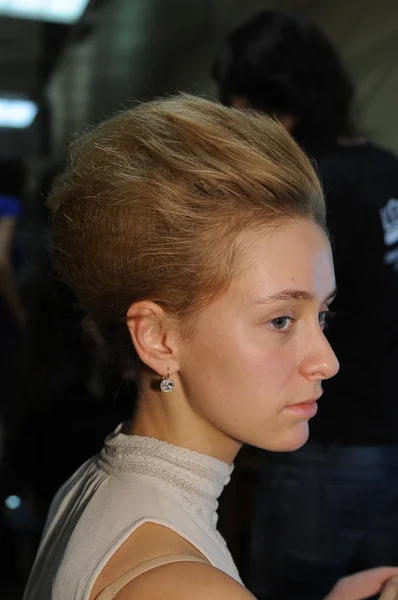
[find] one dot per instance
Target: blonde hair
(153, 199)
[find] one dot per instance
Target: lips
(306, 409)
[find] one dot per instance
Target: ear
(153, 337)
(288, 121)
(239, 102)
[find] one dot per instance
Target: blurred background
(65, 65)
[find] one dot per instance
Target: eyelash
(326, 313)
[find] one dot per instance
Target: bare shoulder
(148, 542)
(182, 581)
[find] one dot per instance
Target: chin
(288, 441)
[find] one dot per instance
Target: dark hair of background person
(283, 65)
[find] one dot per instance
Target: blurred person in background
(332, 506)
(67, 379)
(12, 310)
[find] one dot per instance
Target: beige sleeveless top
(134, 480)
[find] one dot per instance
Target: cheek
(268, 369)
(243, 360)
(267, 353)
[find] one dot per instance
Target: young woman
(194, 235)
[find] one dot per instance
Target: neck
(171, 418)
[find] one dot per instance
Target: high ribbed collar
(199, 477)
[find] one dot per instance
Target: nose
(320, 362)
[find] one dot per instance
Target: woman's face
(255, 367)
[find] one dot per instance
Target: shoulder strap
(110, 592)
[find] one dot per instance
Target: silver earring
(167, 384)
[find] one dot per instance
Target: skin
(287, 120)
(253, 355)
(8, 284)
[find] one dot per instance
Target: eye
(282, 323)
(324, 318)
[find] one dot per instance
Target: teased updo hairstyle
(152, 201)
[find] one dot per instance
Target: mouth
(306, 409)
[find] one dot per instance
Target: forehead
(296, 254)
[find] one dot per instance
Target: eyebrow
(294, 295)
